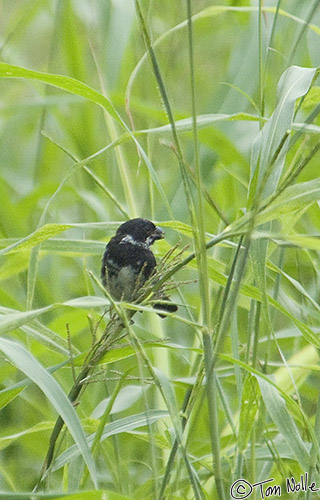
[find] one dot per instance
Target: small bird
(128, 262)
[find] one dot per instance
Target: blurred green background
(241, 49)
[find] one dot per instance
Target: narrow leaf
(122, 425)
(26, 363)
(62, 82)
(278, 412)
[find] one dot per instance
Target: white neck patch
(128, 239)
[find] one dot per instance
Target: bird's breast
(124, 284)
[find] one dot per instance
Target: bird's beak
(158, 234)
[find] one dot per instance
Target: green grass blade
(62, 82)
(122, 425)
(278, 412)
(26, 363)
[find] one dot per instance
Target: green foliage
(205, 119)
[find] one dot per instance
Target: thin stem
(96, 353)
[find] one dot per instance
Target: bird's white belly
(123, 285)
